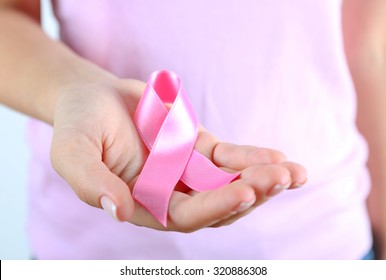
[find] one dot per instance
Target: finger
(267, 180)
(222, 206)
(267, 187)
(298, 173)
(233, 218)
(240, 157)
(189, 213)
(81, 165)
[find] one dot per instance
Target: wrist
(74, 76)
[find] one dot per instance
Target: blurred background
(13, 169)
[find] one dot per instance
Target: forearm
(364, 33)
(371, 89)
(34, 68)
(372, 123)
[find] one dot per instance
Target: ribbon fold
(170, 135)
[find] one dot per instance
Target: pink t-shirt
(264, 73)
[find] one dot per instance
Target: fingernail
(277, 189)
(109, 206)
(245, 205)
(298, 185)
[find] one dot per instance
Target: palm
(94, 130)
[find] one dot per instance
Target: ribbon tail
(202, 175)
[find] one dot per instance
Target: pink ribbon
(170, 136)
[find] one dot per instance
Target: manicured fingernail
(277, 189)
(109, 206)
(245, 205)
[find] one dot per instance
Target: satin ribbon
(170, 136)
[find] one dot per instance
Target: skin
(96, 147)
(53, 82)
(45, 80)
(91, 112)
(364, 24)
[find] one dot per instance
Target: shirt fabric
(258, 72)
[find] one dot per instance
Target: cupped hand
(97, 150)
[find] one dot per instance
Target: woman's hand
(97, 150)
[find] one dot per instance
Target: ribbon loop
(170, 136)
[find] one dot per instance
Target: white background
(13, 171)
(190, 269)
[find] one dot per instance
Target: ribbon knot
(170, 135)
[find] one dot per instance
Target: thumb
(81, 165)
